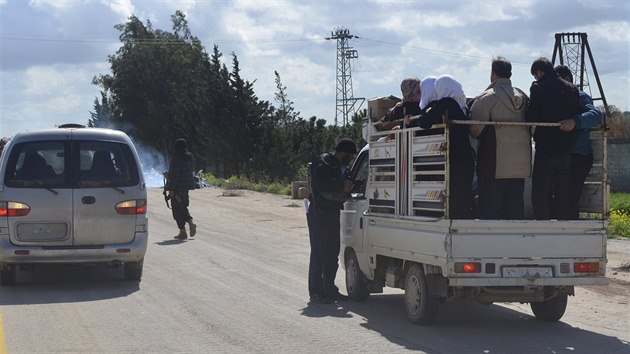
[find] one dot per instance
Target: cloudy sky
(51, 49)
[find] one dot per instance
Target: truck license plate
(527, 272)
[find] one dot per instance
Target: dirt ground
(241, 286)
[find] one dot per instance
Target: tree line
(164, 85)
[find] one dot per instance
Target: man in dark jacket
(329, 190)
(180, 181)
(552, 100)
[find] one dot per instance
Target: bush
(620, 201)
(619, 223)
(235, 183)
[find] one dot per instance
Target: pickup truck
(396, 232)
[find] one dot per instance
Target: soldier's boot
(182, 235)
(193, 228)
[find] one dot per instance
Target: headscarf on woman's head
(446, 86)
(410, 88)
(427, 91)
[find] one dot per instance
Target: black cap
(180, 144)
(346, 145)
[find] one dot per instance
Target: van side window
(106, 164)
(36, 165)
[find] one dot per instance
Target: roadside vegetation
(235, 183)
(619, 215)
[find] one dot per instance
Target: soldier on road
(330, 186)
(179, 182)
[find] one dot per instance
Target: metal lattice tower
(346, 103)
(571, 49)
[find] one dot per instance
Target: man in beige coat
(504, 157)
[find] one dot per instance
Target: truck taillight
(14, 209)
(132, 207)
(585, 267)
(468, 267)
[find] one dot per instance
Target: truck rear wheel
(133, 270)
(8, 275)
(422, 307)
(356, 283)
(550, 310)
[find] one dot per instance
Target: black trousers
(501, 199)
(179, 206)
(551, 185)
(580, 167)
(323, 231)
(461, 196)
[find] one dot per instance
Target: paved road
(240, 286)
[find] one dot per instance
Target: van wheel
(356, 283)
(422, 308)
(550, 310)
(133, 270)
(8, 275)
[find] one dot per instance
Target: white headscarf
(446, 86)
(427, 91)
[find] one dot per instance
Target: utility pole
(571, 49)
(346, 103)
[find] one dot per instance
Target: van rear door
(107, 197)
(38, 193)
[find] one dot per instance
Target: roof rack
(71, 125)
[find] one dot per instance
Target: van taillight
(132, 207)
(14, 209)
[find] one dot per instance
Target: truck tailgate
(528, 239)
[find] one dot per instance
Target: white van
(72, 195)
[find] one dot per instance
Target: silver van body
(72, 195)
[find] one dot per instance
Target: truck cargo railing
(409, 171)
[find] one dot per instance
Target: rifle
(165, 191)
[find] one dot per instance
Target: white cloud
(3, 2)
(124, 8)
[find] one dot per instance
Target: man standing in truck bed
(329, 189)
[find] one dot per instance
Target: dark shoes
(323, 299)
(320, 299)
(339, 297)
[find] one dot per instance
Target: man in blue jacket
(581, 153)
(329, 189)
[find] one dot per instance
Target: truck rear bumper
(476, 282)
(128, 252)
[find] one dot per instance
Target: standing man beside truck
(330, 186)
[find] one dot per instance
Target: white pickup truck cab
(396, 232)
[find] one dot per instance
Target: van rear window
(37, 165)
(106, 164)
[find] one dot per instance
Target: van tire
(8, 275)
(133, 270)
(422, 308)
(550, 310)
(356, 283)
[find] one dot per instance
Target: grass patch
(241, 183)
(293, 205)
(232, 193)
(619, 221)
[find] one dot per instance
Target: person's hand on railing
(567, 125)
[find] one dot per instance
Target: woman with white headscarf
(445, 97)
